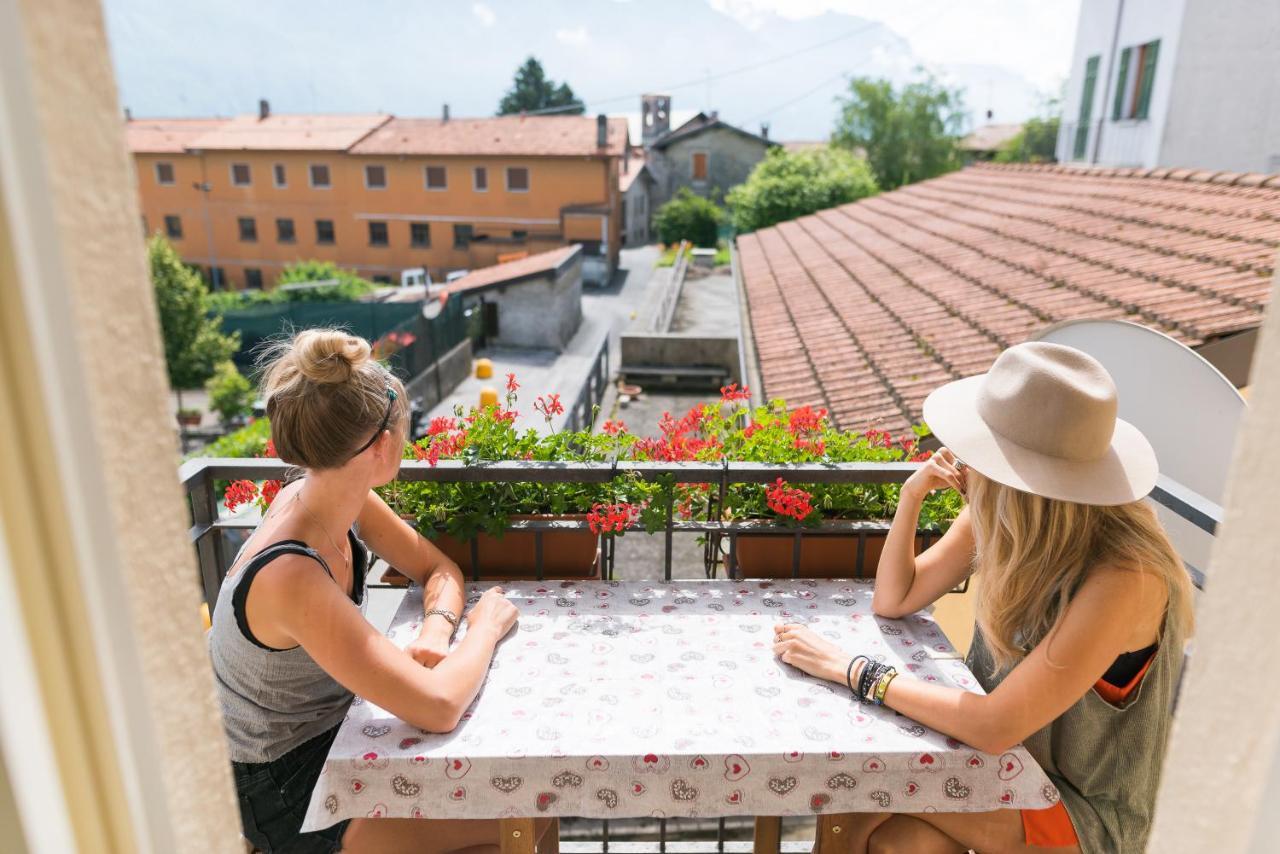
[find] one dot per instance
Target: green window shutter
(1086, 107)
(1148, 78)
(1117, 110)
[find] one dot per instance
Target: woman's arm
(906, 583)
(413, 554)
(312, 610)
(1097, 627)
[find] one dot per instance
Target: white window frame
(475, 185)
(693, 178)
(528, 175)
(426, 177)
(311, 176)
(276, 168)
(385, 180)
(172, 172)
(232, 170)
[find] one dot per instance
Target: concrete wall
(541, 313)
(677, 350)
(731, 157)
(1225, 112)
(453, 367)
(636, 201)
(1128, 142)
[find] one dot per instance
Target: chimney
(264, 109)
(764, 130)
(444, 113)
(715, 115)
(128, 114)
(602, 131)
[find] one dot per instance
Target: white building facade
(1177, 83)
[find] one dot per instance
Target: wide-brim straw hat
(1043, 420)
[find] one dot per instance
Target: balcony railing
(200, 477)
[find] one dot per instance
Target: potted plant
(190, 417)
(730, 429)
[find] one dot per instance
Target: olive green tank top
(1105, 760)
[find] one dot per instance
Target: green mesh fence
(257, 324)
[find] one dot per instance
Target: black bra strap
(241, 594)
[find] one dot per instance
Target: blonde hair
(325, 397)
(1033, 553)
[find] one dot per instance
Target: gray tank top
(273, 699)
(1105, 760)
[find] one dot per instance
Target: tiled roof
(635, 167)
(701, 123)
(528, 136)
(165, 136)
(989, 137)
(865, 308)
(516, 271)
(284, 132)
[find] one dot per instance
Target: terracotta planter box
(566, 555)
(768, 555)
(190, 420)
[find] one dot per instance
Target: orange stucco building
(245, 196)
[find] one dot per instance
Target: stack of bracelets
(873, 681)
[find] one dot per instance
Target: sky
(780, 62)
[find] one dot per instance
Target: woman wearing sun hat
(1083, 607)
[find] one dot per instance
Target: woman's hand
(941, 471)
(802, 647)
(431, 646)
(494, 612)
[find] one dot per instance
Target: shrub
(786, 185)
(347, 287)
(688, 217)
(1037, 142)
(230, 394)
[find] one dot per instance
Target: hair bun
(328, 355)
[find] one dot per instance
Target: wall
(554, 183)
(731, 157)
(1128, 142)
(542, 313)
(673, 349)
(454, 367)
(636, 202)
(1225, 113)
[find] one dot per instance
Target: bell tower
(655, 117)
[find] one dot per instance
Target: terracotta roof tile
(867, 307)
(515, 271)
(529, 136)
(165, 136)
(290, 132)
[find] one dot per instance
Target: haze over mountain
(741, 57)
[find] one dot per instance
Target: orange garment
(1052, 828)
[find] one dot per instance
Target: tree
(786, 185)
(193, 341)
(688, 217)
(908, 134)
(532, 92)
(1037, 142)
(230, 394)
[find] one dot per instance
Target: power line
(706, 78)
(796, 99)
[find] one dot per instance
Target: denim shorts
(274, 797)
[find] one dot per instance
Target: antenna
(1187, 410)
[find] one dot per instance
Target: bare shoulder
(1133, 594)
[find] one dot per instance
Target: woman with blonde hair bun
(1083, 607)
(290, 643)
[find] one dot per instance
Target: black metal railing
(581, 414)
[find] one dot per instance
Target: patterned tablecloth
(628, 699)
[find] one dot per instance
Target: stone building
(705, 154)
(535, 302)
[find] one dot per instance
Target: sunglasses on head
(386, 419)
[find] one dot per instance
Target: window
(324, 231)
(248, 229)
(480, 179)
(217, 278)
(164, 173)
(700, 166)
(382, 279)
(253, 278)
(378, 234)
(1086, 107)
(320, 176)
(144, 226)
(419, 234)
(280, 175)
(284, 231)
(375, 177)
(517, 179)
(1134, 81)
(519, 234)
(240, 176)
(462, 236)
(173, 226)
(437, 179)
